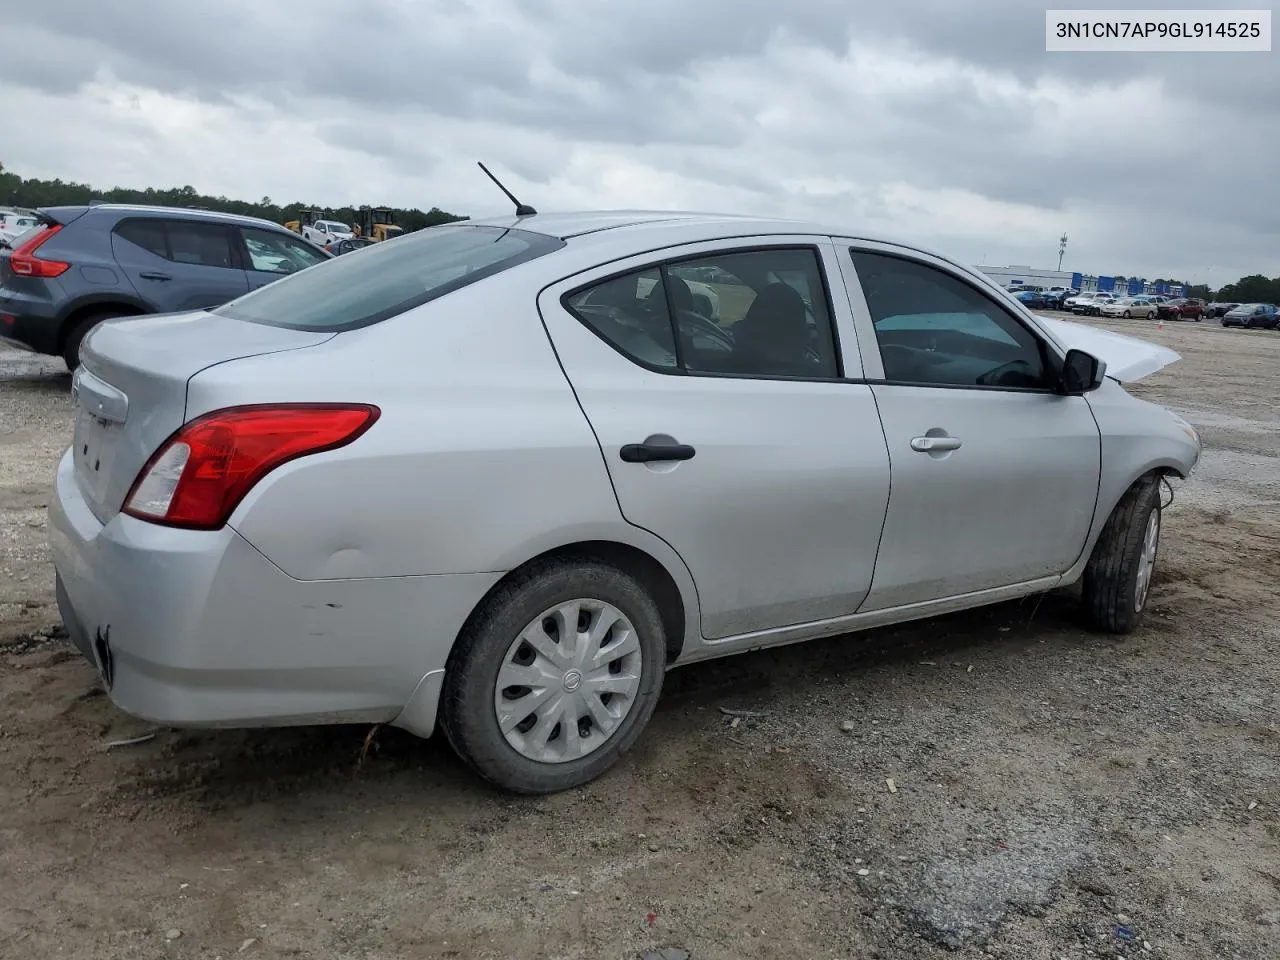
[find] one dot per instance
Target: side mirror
(1081, 373)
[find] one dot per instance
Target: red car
(1185, 309)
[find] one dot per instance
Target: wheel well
(652, 575)
(80, 313)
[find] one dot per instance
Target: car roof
(617, 231)
(189, 212)
(565, 226)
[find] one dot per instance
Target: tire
(76, 335)
(1128, 315)
(491, 643)
(1118, 576)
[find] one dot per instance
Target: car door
(178, 265)
(271, 255)
(739, 441)
(995, 475)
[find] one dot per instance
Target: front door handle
(655, 449)
(934, 444)
(155, 276)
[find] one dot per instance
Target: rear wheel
(1118, 576)
(76, 335)
(555, 676)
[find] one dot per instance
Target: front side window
(760, 313)
(350, 292)
(271, 252)
(934, 329)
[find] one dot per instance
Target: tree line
(18, 192)
(15, 191)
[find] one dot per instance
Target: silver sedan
(499, 476)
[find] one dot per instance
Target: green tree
(19, 192)
(1251, 289)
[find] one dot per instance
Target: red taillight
(200, 474)
(25, 263)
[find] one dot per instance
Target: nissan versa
(498, 476)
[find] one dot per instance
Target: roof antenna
(522, 209)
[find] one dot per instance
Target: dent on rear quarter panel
(481, 457)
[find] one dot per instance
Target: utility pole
(1062, 249)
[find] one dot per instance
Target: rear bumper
(23, 323)
(193, 628)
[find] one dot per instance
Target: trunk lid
(130, 390)
(1127, 358)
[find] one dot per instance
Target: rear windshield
(385, 279)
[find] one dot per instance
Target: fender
(1108, 496)
(94, 300)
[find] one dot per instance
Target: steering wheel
(1015, 373)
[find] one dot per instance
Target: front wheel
(554, 678)
(1118, 577)
(1128, 315)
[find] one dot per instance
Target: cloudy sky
(942, 121)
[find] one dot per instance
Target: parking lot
(1012, 786)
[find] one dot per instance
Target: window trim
(680, 370)
(1049, 356)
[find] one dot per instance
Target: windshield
(387, 279)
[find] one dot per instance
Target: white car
(13, 223)
(1094, 303)
(1128, 307)
(325, 232)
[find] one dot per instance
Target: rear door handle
(934, 444)
(655, 449)
(155, 276)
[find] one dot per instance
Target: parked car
(314, 503)
(1181, 309)
(1093, 306)
(1079, 298)
(86, 264)
(1128, 307)
(1056, 298)
(14, 223)
(1216, 309)
(1252, 315)
(324, 232)
(1031, 299)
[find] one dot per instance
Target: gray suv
(85, 264)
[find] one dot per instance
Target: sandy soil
(1058, 793)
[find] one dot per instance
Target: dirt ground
(1058, 793)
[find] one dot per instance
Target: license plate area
(95, 444)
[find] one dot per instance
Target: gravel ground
(1008, 785)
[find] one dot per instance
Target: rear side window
(200, 244)
(758, 313)
(147, 234)
(388, 278)
(182, 241)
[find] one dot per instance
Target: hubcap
(568, 681)
(1147, 561)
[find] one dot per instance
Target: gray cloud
(1162, 162)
